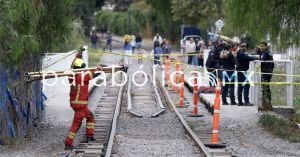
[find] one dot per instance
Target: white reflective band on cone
(216, 111)
(218, 88)
(215, 131)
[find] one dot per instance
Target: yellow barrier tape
(138, 56)
(151, 54)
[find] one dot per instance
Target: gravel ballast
(243, 135)
(146, 136)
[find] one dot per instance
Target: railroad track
(142, 128)
(105, 114)
(140, 97)
(201, 135)
(143, 131)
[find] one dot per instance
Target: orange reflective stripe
(79, 102)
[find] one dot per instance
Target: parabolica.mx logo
(203, 79)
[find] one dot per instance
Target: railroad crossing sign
(219, 24)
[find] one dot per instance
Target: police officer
(242, 65)
(227, 65)
(266, 68)
(213, 63)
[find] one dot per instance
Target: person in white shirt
(133, 43)
(190, 48)
(158, 38)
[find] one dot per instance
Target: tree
(192, 12)
(201, 13)
(84, 10)
(32, 26)
(162, 20)
(280, 19)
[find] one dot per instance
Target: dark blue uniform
(242, 65)
(228, 65)
(213, 63)
(266, 67)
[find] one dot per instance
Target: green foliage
(258, 17)
(163, 16)
(32, 26)
(84, 10)
(118, 22)
(115, 21)
(162, 21)
(193, 11)
(280, 127)
(76, 38)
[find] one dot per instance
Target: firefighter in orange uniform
(79, 102)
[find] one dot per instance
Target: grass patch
(94, 59)
(280, 127)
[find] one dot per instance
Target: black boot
(233, 103)
(241, 103)
(248, 104)
(89, 139)
(225, 103)
(69, 147)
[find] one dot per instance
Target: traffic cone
(177, 67)
(215, 128)
(167, 72)
(181, 102)
(195, 97)
(216, 116)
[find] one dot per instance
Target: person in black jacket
(94, 39)
(266, 67)
(242, 65)
(228, 65)
(213, 63)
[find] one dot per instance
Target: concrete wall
(21, 103)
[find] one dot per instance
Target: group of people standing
(226, 61)
(133, 45)
(161, 47)
(194, 48)
(105, 34)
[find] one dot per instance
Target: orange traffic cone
(215, 127)
(181, 102)
(177, 67)
(167, 72)
(195, 97)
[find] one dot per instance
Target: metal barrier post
(290, 87)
